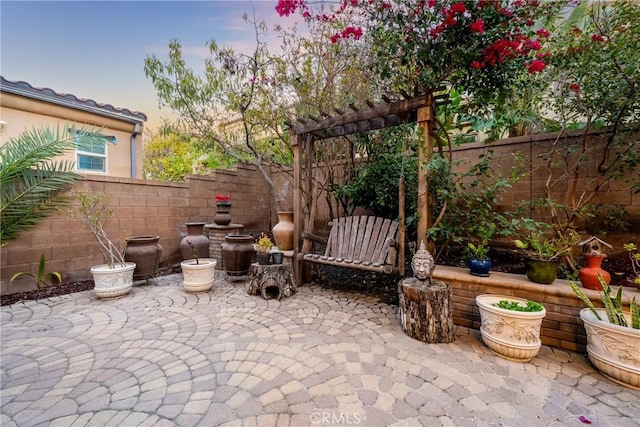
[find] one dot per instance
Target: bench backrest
(364, 238)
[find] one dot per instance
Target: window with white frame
(91, 151)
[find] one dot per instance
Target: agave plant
(613, 306)
(32, 180)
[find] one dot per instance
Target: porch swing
(360, 242)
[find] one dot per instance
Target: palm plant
(32, 181)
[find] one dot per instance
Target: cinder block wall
(141, 207)
(561, 327)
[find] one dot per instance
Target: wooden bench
(358, 242)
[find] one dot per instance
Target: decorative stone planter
(196, 237)
(613, 349)
(146, 253)
(112, 282)
(514, 335)
(198, 275)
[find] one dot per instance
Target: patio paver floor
(161, 357)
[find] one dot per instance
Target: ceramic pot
(146, 253)
(480, 267)
(263, 259)
(613, 349)
(237, 254)
(589, 274)
(283, 231)
(112, 282)
(513, 335)
(544, 272)
(199, 241)
(223, 214)
(198, 275)
(277, 257)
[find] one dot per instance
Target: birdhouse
(594, 246)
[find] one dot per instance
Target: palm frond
(32, 181)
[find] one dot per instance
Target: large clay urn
(283, 231)
(199, 241)
(146, 253)
(237, 254)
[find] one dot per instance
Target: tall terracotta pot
(237, 254)
(196, 237)
(589, 274)
(283, 231)
(146, 253)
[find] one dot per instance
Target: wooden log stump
(271, 281)
(426, 310)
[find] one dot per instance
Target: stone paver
(161, 357)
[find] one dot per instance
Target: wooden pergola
(421, 109)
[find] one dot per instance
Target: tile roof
(49, 95)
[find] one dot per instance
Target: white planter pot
(112, 282)
(613, 349)
(198, 277)
(514, 335)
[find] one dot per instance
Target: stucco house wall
(23, 106)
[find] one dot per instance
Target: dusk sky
(96, 49)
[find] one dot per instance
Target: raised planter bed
(561, 327)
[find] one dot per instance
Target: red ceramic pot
(589, 274)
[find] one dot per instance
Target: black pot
(263, 259)
(277, 257)
(480, 267)
(237, 254)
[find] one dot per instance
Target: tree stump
(426, 311)
(271, 281)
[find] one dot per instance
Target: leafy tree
(33, 182)
(595, 67)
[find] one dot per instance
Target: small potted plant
(544, 251)
(115, 278)
(263, 249)
(479, 262)
(613, 336)
(198, 273)
(510, 326)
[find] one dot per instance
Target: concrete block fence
(141, 207)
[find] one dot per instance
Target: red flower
(458, 8)
(334, 38)
(477, 26)
(352, 31)
(220, 198)
(529, 23)
(597, 38)
(574, 87)
(536, 66)
(450, 20)
(476, 65)
(432, 3)
(543, 33)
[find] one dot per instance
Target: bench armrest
(314, 238)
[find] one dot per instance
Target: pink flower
(543, 33)
(351, 31)
(529, 23)
(477, 26)
(536, 66)
(288, 7)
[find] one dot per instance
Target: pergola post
(297, 206)
(425, 151)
